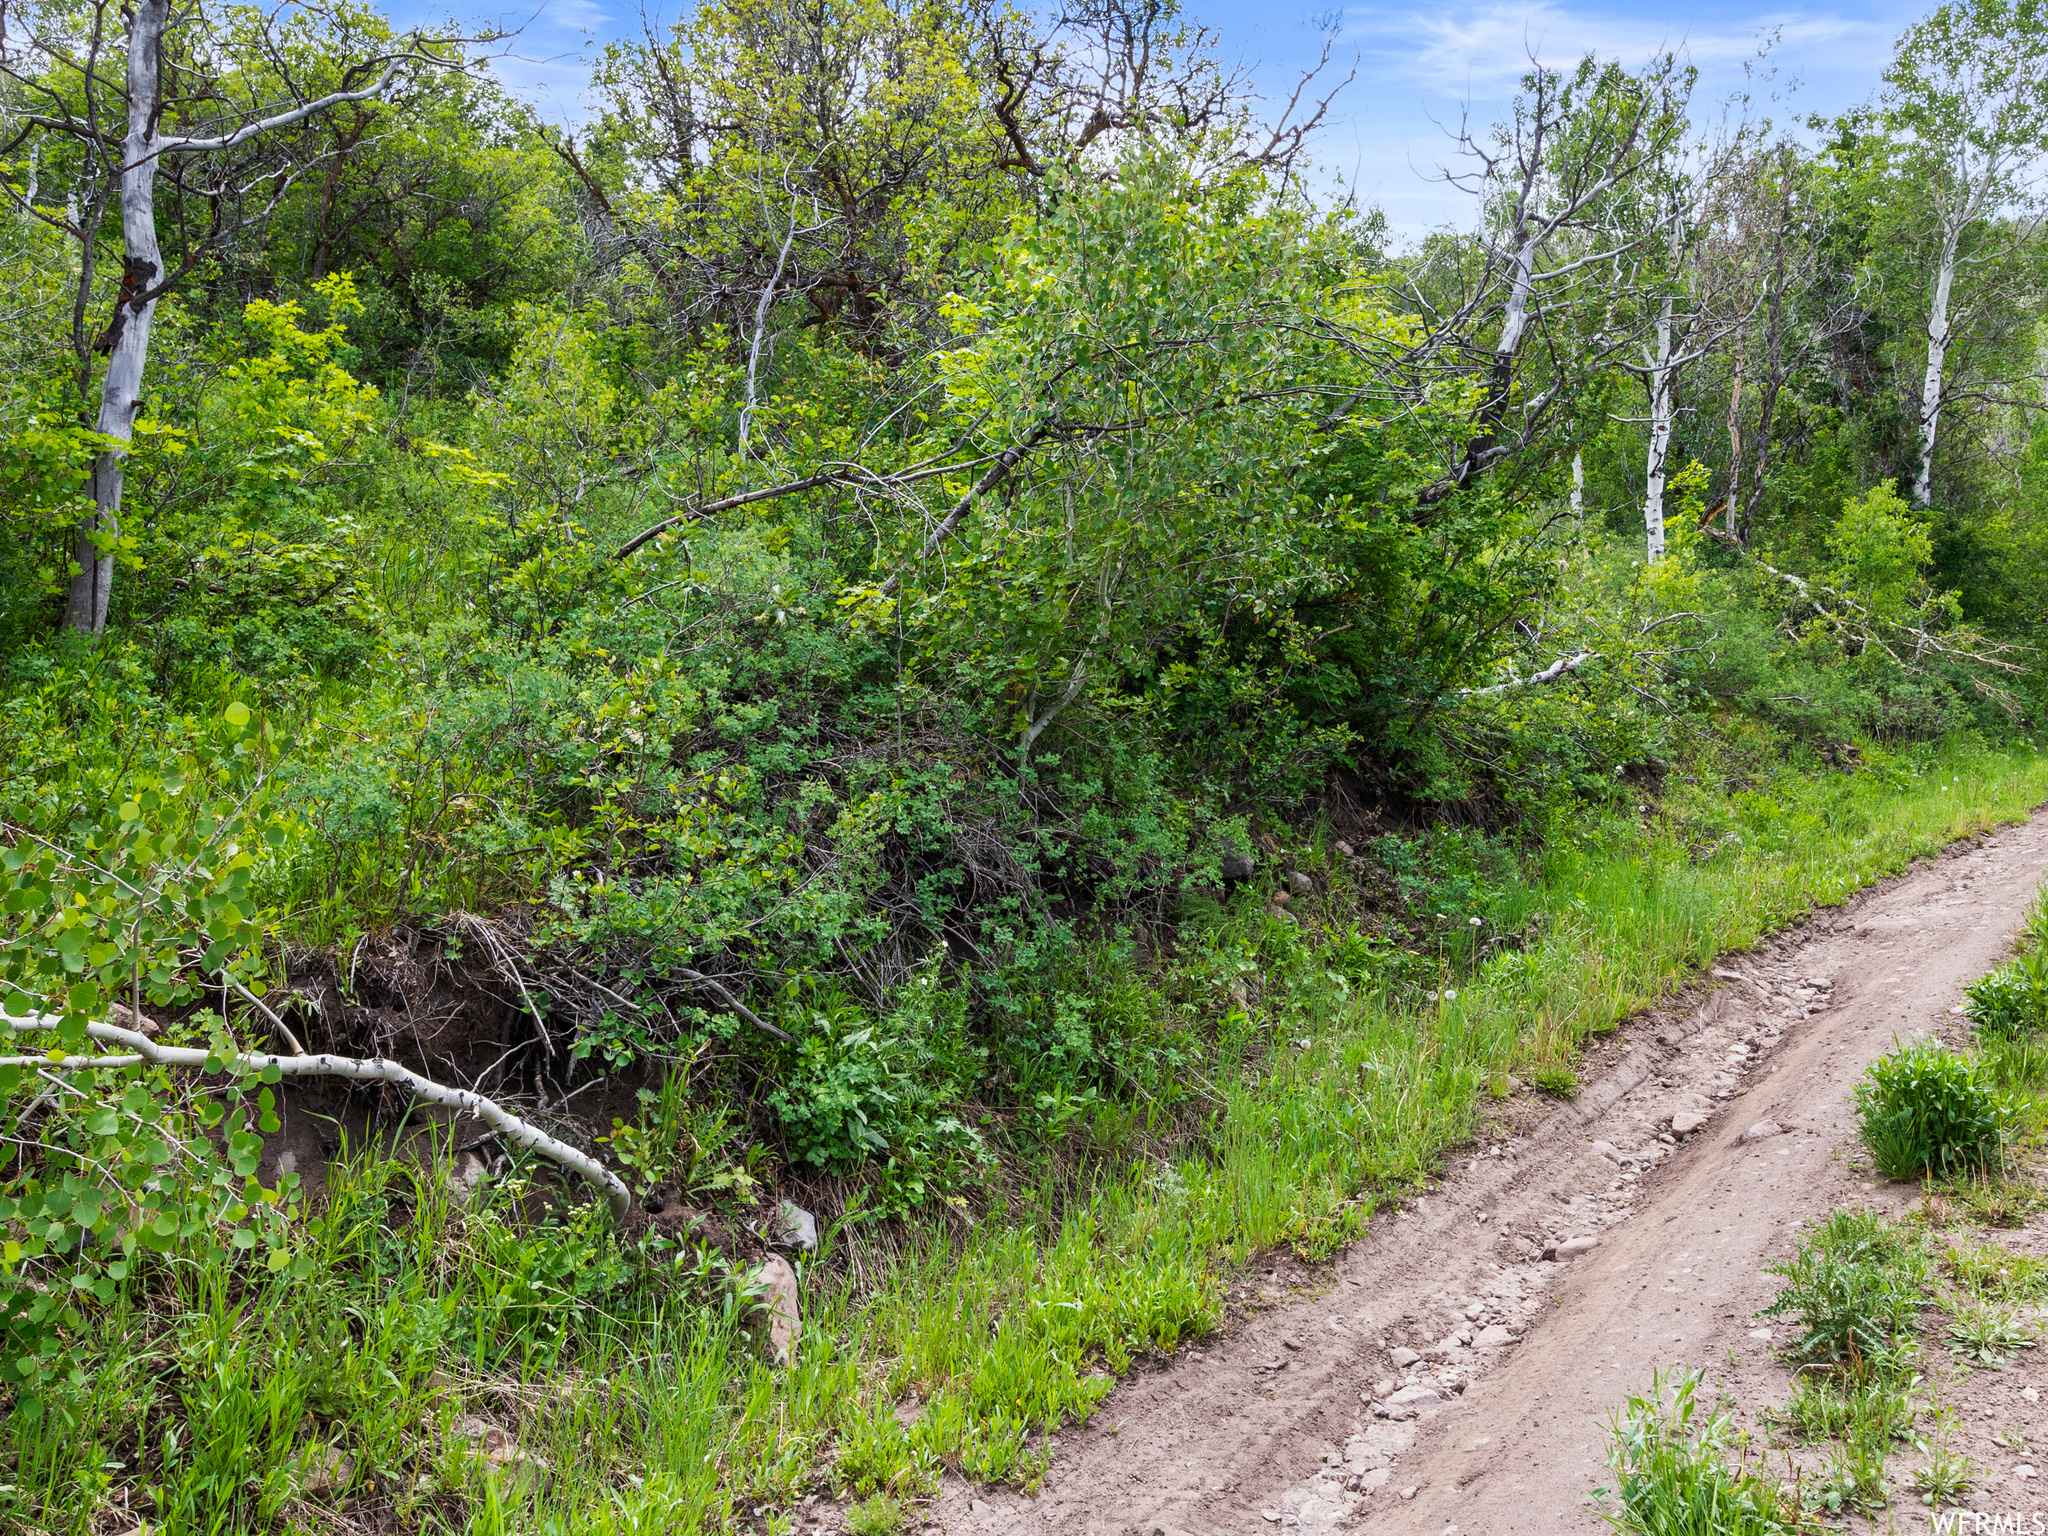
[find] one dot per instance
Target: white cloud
(1488, 46)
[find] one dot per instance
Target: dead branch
(376, 1069)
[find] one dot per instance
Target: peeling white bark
(379, 1069)
(127, 334)
(1663, 374)
(1938, 336)
(1578, 487)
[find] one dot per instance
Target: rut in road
(1449, 1375)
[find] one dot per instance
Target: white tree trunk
(1515, 318)
(1662, 378)
(1578, 487)
(127, 334)
(1937, 356)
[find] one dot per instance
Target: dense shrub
(1924, 1111)
(2011, 1001)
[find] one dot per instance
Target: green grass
(1682, 1471)
(934, 1343)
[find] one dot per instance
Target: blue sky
(1419, 65)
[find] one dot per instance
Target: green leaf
(236, 714)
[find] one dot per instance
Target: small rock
(1414, 1397)
(1384, 1387)
(980, 1508)
(1281, 898)
(468, 1172)
(1271, 1514)
(1300, 883)
(2023, 1470)
(2030, 1394)
(1686, 1121)
(121, 1016)
(799, 1227)
(1608, 1150)
(1238, 865)
(1402, 1357)
(1763, 1130)
(1344, 848)
(1409, 1491)
(779, 1300)
(1572, 1247)
(326, 1470)
(1492, 1337)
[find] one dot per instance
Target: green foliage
(1991, 1272)
(1983, 1333)
(112, 1167)
(1922, 1109)
(1855, 1286)
(1673, 1472)
(2012, 1001)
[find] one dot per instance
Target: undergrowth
(631, 1381)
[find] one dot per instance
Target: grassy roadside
(456, 1370)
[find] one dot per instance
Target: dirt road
(1448, 1376)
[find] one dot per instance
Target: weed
(879, 1514)
(1993, 1198)
(1558, 1082)
(1673, 1472)
(1985, 1270)
(1923, 1109)
(1827, 1406)
(2012, 1001)
(1856, 1286)
(1986, 1334)
(1948, 1474)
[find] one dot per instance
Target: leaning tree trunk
(126, 340)
(1663, 375)
(1937, 356)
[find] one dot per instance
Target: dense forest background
(888, 616)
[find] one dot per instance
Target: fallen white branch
(1561, 667)
(376, 1069)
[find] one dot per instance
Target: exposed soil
(1302, 1417)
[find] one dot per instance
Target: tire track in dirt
(1314, 1414)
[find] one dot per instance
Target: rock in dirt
(1300, 883)
(1493, 1337)
(468, 1173)
(1402, 1358)
(779, 1300)
(1763, 1130)
(1414, 1397)
(1572, 1247)
(1686, 1121)
(980, 1507)
(1237, 865)
(326, 1471)
(1386, 1385)
(799, 1227)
